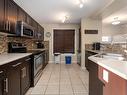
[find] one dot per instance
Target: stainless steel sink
(111, 56)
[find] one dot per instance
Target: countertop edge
(113, 70)
(22, 55)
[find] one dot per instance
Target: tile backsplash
(114, 48)
(3, 43)
(31, 44)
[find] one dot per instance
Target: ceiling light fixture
(116, 21)
(64, 19)
(80, 3)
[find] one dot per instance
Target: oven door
(38, 63)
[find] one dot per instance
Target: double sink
(114, 56)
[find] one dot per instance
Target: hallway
(61, 79)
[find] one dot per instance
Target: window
(64, 41)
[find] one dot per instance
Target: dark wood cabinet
(46, 58)
(34, 24)
(29, 20)
(14, 78)
(17, 79)
(41, 32)
(25, 76)
(22, 16)
(2, 15)
(3, 82)
(10, 13)
(95, 85)
(88, 54)
(11, 16)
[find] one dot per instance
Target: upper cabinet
(11, 16)
(10, 13)
(2, 15)
(22, 16)
(40, 32)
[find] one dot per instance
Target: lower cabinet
(13, 75)
(114, 84)
(95, 85)
(16, 79)
(25, 76)
(3, 82)
(88, 54)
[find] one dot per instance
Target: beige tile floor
(61, 79)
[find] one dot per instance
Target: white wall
(50, 27)
(111, 30)
(89, 38)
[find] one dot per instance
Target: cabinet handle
(24, 72)
(1, 72)
(6, 85)
(16, 64)
(9, 25)
(6, 26)
(28, 59)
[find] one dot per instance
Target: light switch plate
(106, 76)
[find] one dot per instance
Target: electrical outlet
(106, 75)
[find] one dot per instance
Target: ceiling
(121, 14)
(50, 11)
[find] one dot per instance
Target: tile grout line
(48, 81)
(81, 81)
(59, 78)
(71, 82)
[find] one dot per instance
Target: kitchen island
(112, 73)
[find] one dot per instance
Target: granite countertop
(9, 57)
(116, 66)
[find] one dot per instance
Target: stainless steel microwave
(24, 30)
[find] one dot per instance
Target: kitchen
(89, 38)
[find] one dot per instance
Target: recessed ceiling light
(81, 5)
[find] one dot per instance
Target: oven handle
(28, 59)
(37, 56)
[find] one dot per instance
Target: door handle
(24, 72)
(6, 25)
(9, 25)
(16, 64)
(1, 72)
(28, 59)
(6, 85)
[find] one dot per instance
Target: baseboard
(83, 68)
(51, 62)
(71, 62)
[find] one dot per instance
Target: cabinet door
(11, 15)
(2, 15)
(40, 33)
(21, 15)
(25, 76)
(29, 20)
(3, 83)
(13, 75)
(95, 85)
